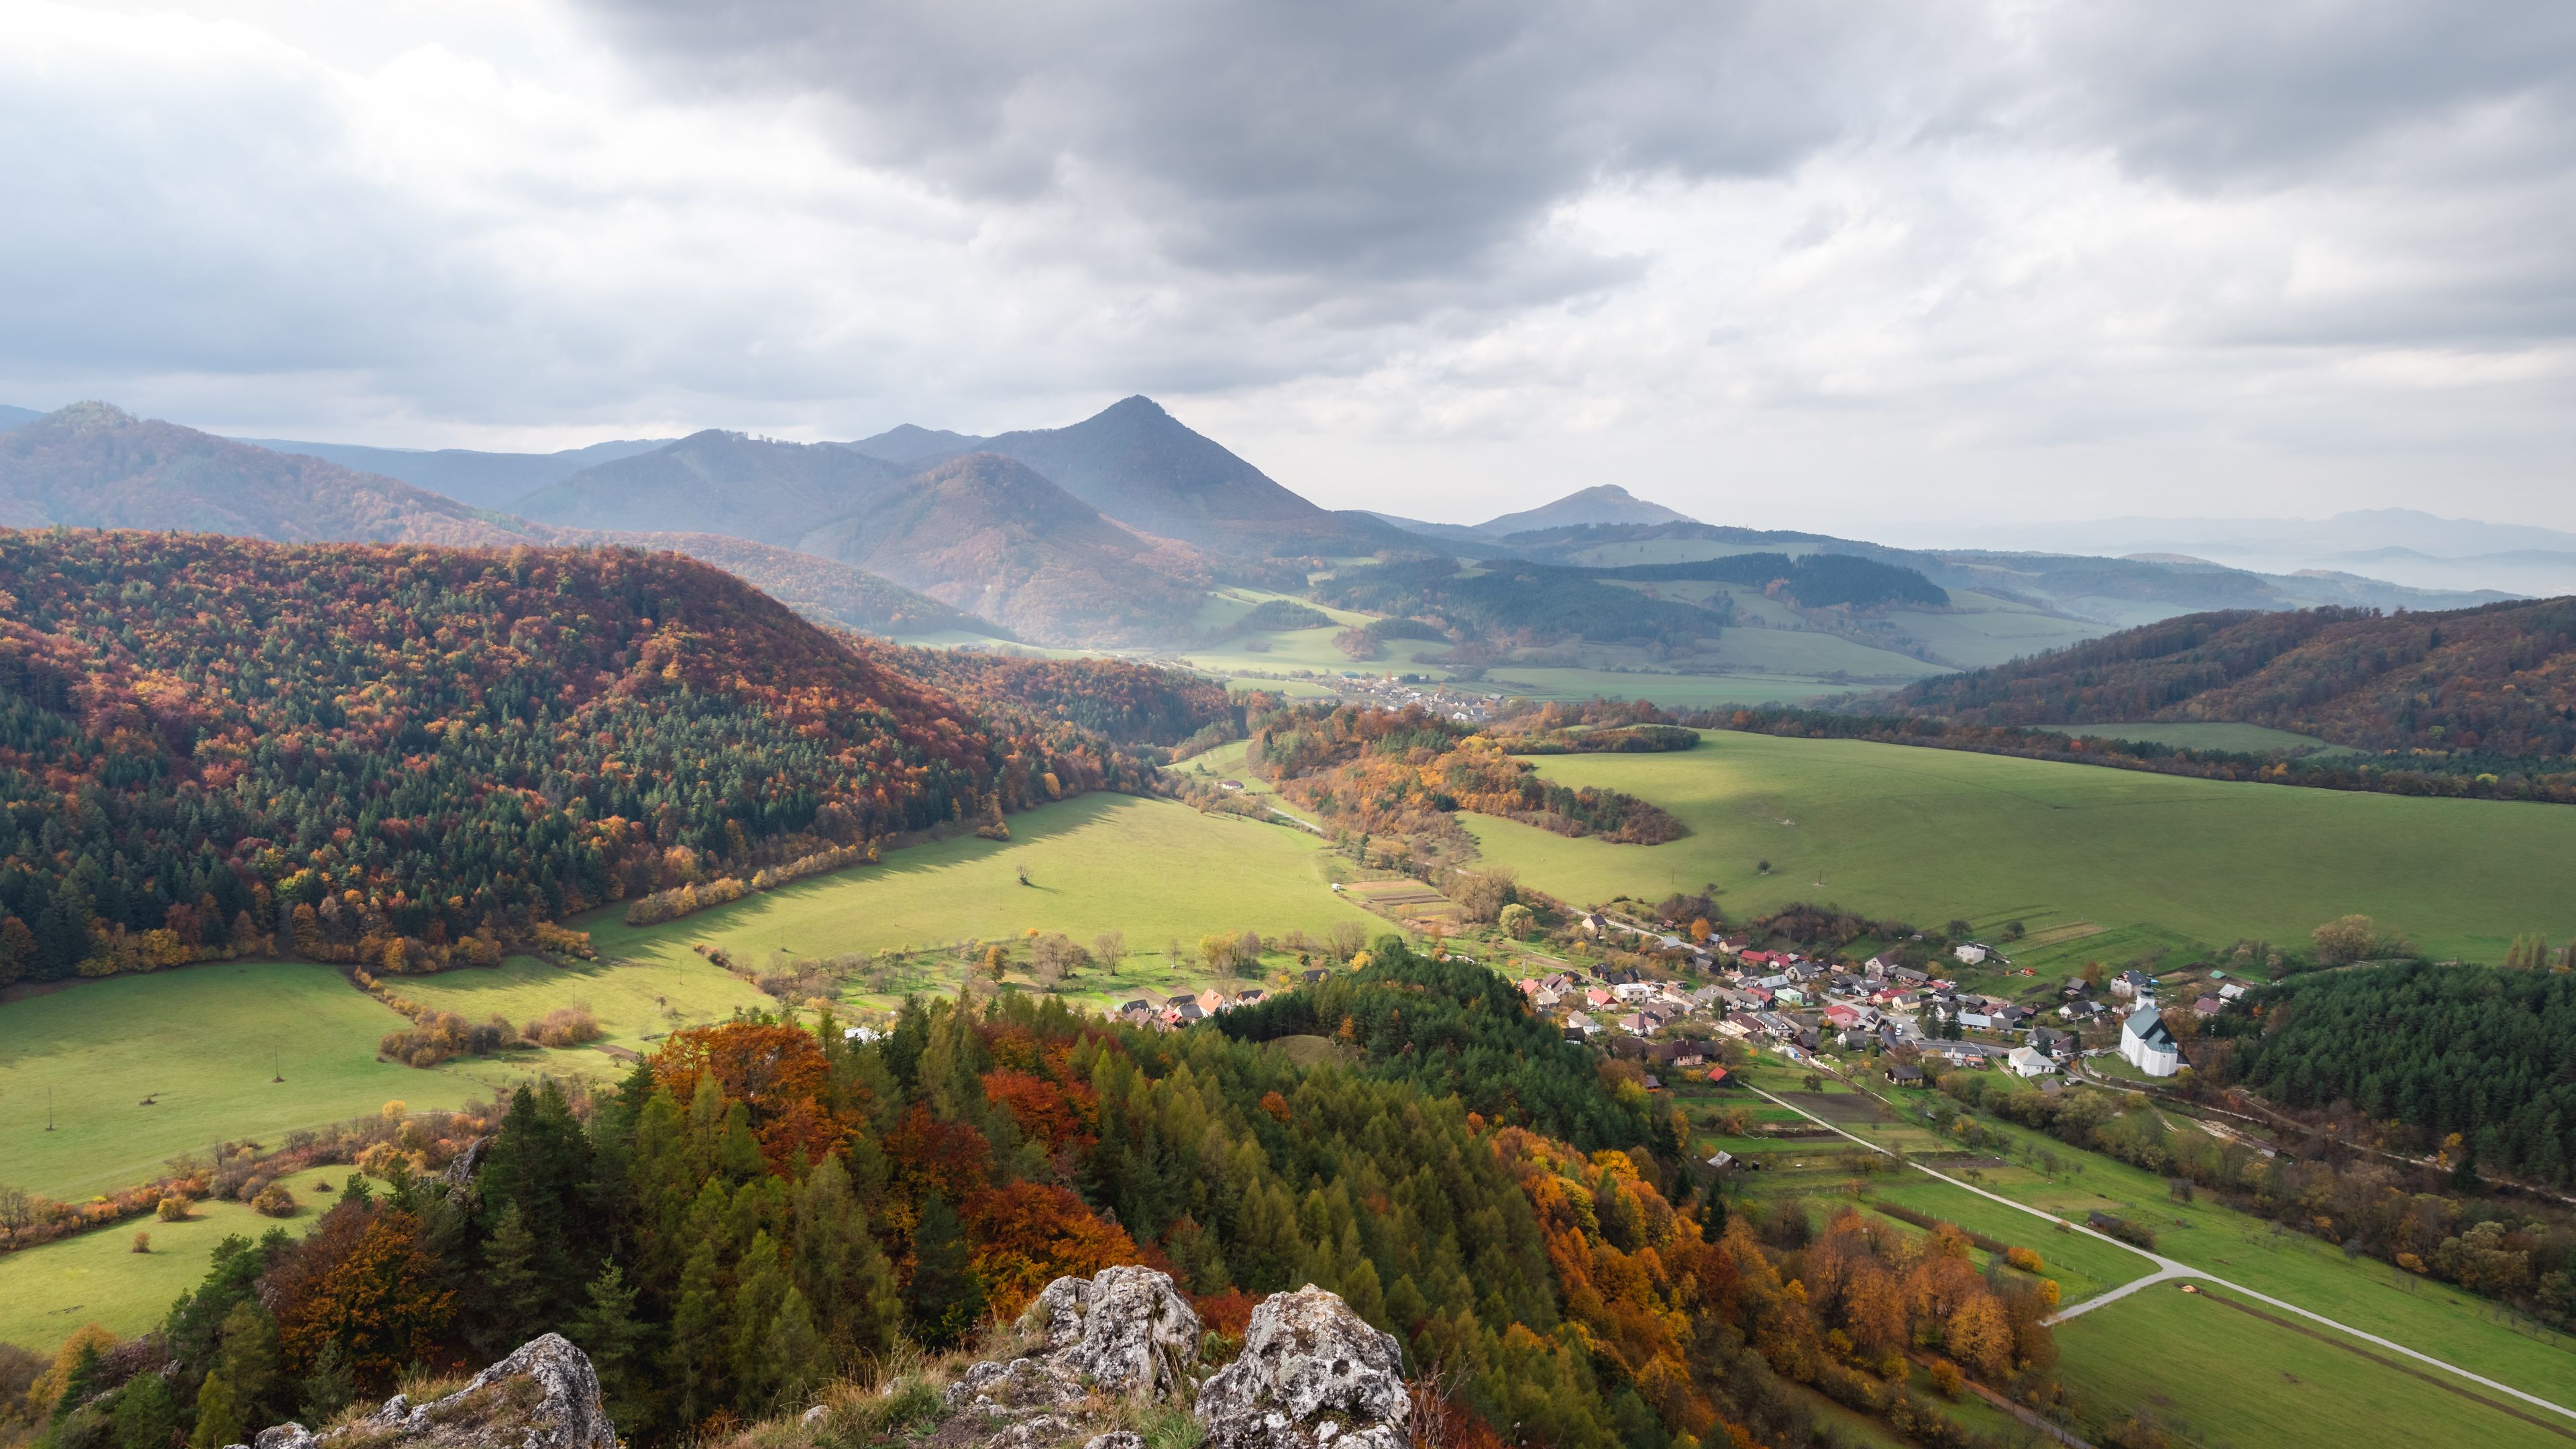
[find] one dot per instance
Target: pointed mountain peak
(1602, 503)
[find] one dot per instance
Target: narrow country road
(2168, 1268)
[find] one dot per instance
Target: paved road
(2168, 1268)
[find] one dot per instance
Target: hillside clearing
(201, 1044)
(1926, 835)
(1154, 870)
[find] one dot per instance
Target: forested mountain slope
(2500, 680)
(989, 535)
(391, 752)
(95, 466)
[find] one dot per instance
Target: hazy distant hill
(2499, 679)
(822, 589)
(13, 417)
(1137, 463)
(486, 480)
(915, 446)
(716, 482)
(92, 465)
(1601, 503)
(990, 535)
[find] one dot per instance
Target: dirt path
(2168, 1268)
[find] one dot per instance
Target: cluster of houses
(1802, 1006)
(1174, 1012)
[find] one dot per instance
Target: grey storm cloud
(1342, 140)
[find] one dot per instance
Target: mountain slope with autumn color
(398, 754)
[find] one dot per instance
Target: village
(1801, 1007)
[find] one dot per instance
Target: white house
(1970, 954)
(2028, 1063)
(2147, 1045)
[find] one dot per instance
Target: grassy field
(46, 1292)
(202, 1044)
(1681, 691)
(2214, 1375)
(1978, 629)
(2242, 738)
(1153, 869)
(1927, 835)
(630, 1001)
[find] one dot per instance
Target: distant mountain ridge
(93, 465)
(1602, 503)
(716, 482)
(485, 480)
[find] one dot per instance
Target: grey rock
(1139, 1335)
(544, 1396)
(1312, 1373)
(1117, 1439)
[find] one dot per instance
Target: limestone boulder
(1312, 1373)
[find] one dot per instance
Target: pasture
(201, 1045)
(1154, 870)
(2212, 1374)
(48, 1291)
(1927, 835)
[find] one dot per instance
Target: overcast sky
(1866, 267)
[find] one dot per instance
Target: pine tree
(220, 1420)
(697, 1349)
(842, 1272)
(795, 1360)
(608, 1330)
(331, 1385)
(79, 1381)
(146, 1414)
(762, 1290)
(512, 1288)
(944, 1296)
(248, 1360)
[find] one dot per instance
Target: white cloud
(1846, 269)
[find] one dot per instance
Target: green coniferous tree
(795, 1359)
(248, 1360)
(608, 1330)
(331, 1385)
(146, 1413)
(944, 1296)
(759, 1293)
(220, 1420)
(841, 1271)
(79, 1383)
(697, 1352)
(514, 1292)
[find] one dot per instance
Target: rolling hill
(2498, 680)
(825, 590)
(385, 753)
(485, 480)
(715, 482)
(989, 535)
(92, 465)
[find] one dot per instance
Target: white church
(2146, 1044)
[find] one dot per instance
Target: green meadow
(2212, 1375)
(1154, 870)
(1927, 835)
(50, 1290)
(202, 1044)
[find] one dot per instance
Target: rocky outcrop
(545, 1396)
(1312, 1373)
(1124, 1332)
